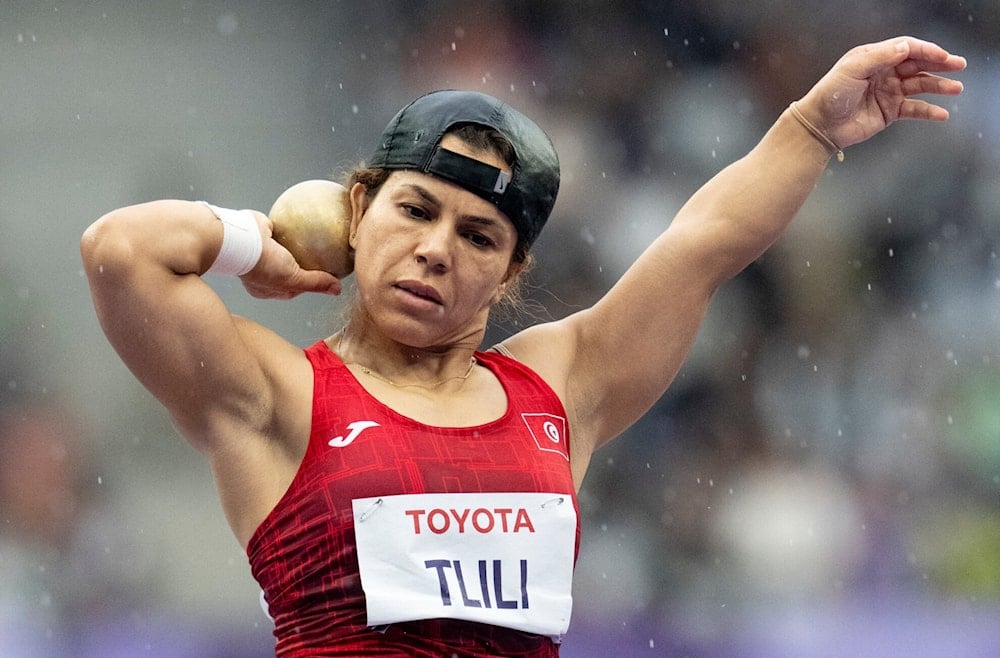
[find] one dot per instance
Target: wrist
(818, 134)
(242, 243)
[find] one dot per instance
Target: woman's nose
(435, 245)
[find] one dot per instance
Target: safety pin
(371, 510)
(551, 501)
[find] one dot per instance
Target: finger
(910, 55)
(912, 108)
(932, 55)
(926, 83)
(915, 66)
(317, 281)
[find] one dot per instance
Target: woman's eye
(480, 240)
(415, 211)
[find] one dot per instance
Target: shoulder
(547, 349)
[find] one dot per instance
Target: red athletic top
(304, 555)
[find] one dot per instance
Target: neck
(404, 366)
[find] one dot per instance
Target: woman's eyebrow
(422, 192)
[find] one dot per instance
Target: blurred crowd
(823, 479)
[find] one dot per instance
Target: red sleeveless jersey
(304, 554)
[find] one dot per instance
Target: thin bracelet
(816, 132)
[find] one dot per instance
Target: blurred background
(823, 479)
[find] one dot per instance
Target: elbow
(105, 245)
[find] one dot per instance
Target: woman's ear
(359, 205)
(513, 272)
(501, 291)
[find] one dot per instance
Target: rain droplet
(227, 24)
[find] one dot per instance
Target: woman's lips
(420, 290)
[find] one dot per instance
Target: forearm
(741, 211)
(180, 237)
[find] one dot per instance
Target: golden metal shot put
(312, 220)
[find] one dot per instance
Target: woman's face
(431, 258)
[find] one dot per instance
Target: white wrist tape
(242, 243)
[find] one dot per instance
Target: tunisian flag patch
(549, 432)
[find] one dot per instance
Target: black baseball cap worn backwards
(412, 140)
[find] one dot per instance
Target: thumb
(317, 281)
(880, 56)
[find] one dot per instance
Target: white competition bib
(498, 558)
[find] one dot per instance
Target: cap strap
(478, 177)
